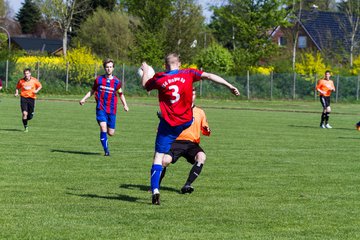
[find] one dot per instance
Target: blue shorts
(167, 134)
(102, 116)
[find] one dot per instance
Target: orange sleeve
(18, 85)
(205, 130)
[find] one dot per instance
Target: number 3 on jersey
(175, 93)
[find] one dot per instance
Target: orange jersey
(325, 87)
(192, 133)
(28, 87)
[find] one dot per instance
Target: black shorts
(325, 101)
(27, 104)
(186, 149)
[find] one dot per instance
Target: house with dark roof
(321, 31)
(29, 44)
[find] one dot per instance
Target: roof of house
(37, 44)
(329, 30)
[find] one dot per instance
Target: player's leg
(155, 174)
(327, 117)
(103, 138)
(323, 113)
(31, 108)
(200, 158)
(166, 135)
(24, 113)
(177, 150)
(102, 120)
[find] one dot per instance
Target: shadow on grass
(119, 197)
(74, 152)
(350, 138)
(146, 188)
(11, 130)
(299, 126)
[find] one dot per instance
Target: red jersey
(175, 94)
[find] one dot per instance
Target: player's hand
(16, 94)
(235, 91)
(126, 108)
(206, 131)
(82, 102)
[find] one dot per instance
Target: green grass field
(271, 173)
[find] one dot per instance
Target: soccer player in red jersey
(175, 99)
(105, 88)
(187, 145)
(325, 86)
(29, 87)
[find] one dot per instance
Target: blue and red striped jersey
(105, 93)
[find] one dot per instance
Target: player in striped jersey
(106, 88)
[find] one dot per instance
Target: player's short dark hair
(27, 70)
(327, 71)
(170, 56)
(108, 60)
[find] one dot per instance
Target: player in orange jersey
(325, 87)
(187, 146)
(29, 87)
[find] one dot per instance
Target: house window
(282, 41)
(302, 42)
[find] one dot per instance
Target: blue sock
(104, 141)
(156, 170)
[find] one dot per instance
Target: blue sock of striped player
(156, 170)
(104, 141)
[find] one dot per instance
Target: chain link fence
(65, 80)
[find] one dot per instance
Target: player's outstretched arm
(220, 80)
(145, 76)
(83, 100)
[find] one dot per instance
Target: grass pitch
(271, 173)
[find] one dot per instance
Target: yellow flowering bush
(82, 64)
(191, 65)
(311, 65)
(262, 70)
(356, 66)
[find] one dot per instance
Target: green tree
(3, 8)
(150, 34)
(243, 27)
(185, 29)
(215, 58)
(351, 9)
(62, 14)
(113, 37)
(28, 16)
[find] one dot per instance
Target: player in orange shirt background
(325, 87)
(187, 145)
(29, 87)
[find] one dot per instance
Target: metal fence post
(315, 83)
(248, 85)
(357, 87)
(337, 88)
(294, 85)
(123, 77)
(271, 84)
